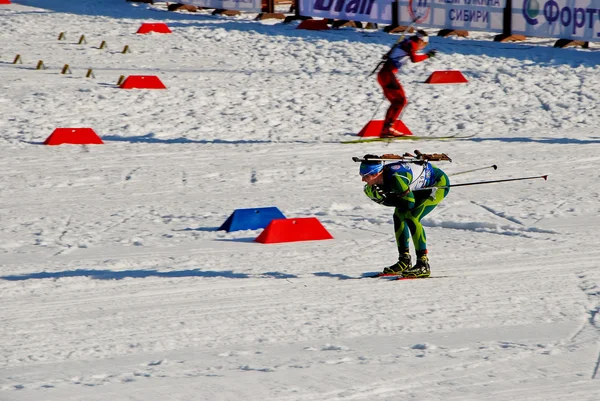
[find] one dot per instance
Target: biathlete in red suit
(399, 55)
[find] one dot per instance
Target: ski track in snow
(116, 284)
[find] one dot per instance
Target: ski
(396, 277)
(408, 137)
(378, 275)
(419, 278)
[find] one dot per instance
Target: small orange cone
(74, 136)
(446, 77)
(291, 230)
(374, 127)
(142, 82)
(158, 28)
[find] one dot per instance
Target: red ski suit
(393, 91)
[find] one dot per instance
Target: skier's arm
(414, 56)
(405, 198)
(374, 193)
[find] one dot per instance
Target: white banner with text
(563, 19)
(240, 5)
(377, 11)
(472, 15)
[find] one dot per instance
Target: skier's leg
(402, 235)
(398, 103)
(396, 95)
(415, 216)
(401, 231)
(394, 92)
(413, 221)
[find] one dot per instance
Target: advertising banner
(377, 11)
(241, 5)
(562, 19)
(472, 15)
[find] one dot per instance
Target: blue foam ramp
(251, 219)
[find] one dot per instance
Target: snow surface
(116, 285)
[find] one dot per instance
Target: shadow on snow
(145, 273)
(120, 275)
(150, 138)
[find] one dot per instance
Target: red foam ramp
(4, 1)
(74, 136)
(142, 82)
(292, 230)
(314, 25)
(374, 127)
(446, 77)
(158, 28)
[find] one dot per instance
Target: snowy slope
(115, 283)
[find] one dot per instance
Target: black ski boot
(400, 266)
(420, 269)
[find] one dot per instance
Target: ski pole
(412, 23)
(377, 109)
(545, 177)
(476, 169)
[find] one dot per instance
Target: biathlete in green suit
(397, 185)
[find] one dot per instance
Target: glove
(433, 193)
(431, 53)
(374, 193)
